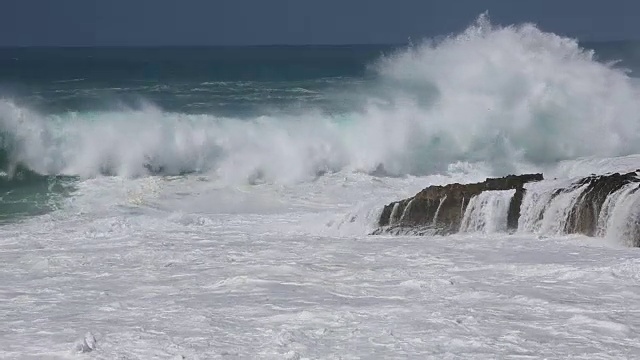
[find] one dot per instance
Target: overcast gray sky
(242, 22)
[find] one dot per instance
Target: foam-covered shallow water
(266, 271)
(190, 229)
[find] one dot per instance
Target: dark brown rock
(441, 208)
(583, 218)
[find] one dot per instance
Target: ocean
(219, 202)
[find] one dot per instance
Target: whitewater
(196, 218)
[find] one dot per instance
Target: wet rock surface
(585, 213)
(440, 209)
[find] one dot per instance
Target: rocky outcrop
(440, 209)
(596, 205)
(585, 213)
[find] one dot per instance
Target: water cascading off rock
(441, 209)
(597, 205)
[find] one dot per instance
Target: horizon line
(204, 45)
(59, 46)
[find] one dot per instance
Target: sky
(265, 22)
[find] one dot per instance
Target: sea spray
(509, 98)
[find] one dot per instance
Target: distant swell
(505, 98)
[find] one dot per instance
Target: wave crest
(511, 98)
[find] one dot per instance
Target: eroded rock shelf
(596, 205)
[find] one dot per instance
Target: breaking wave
(509, 98)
